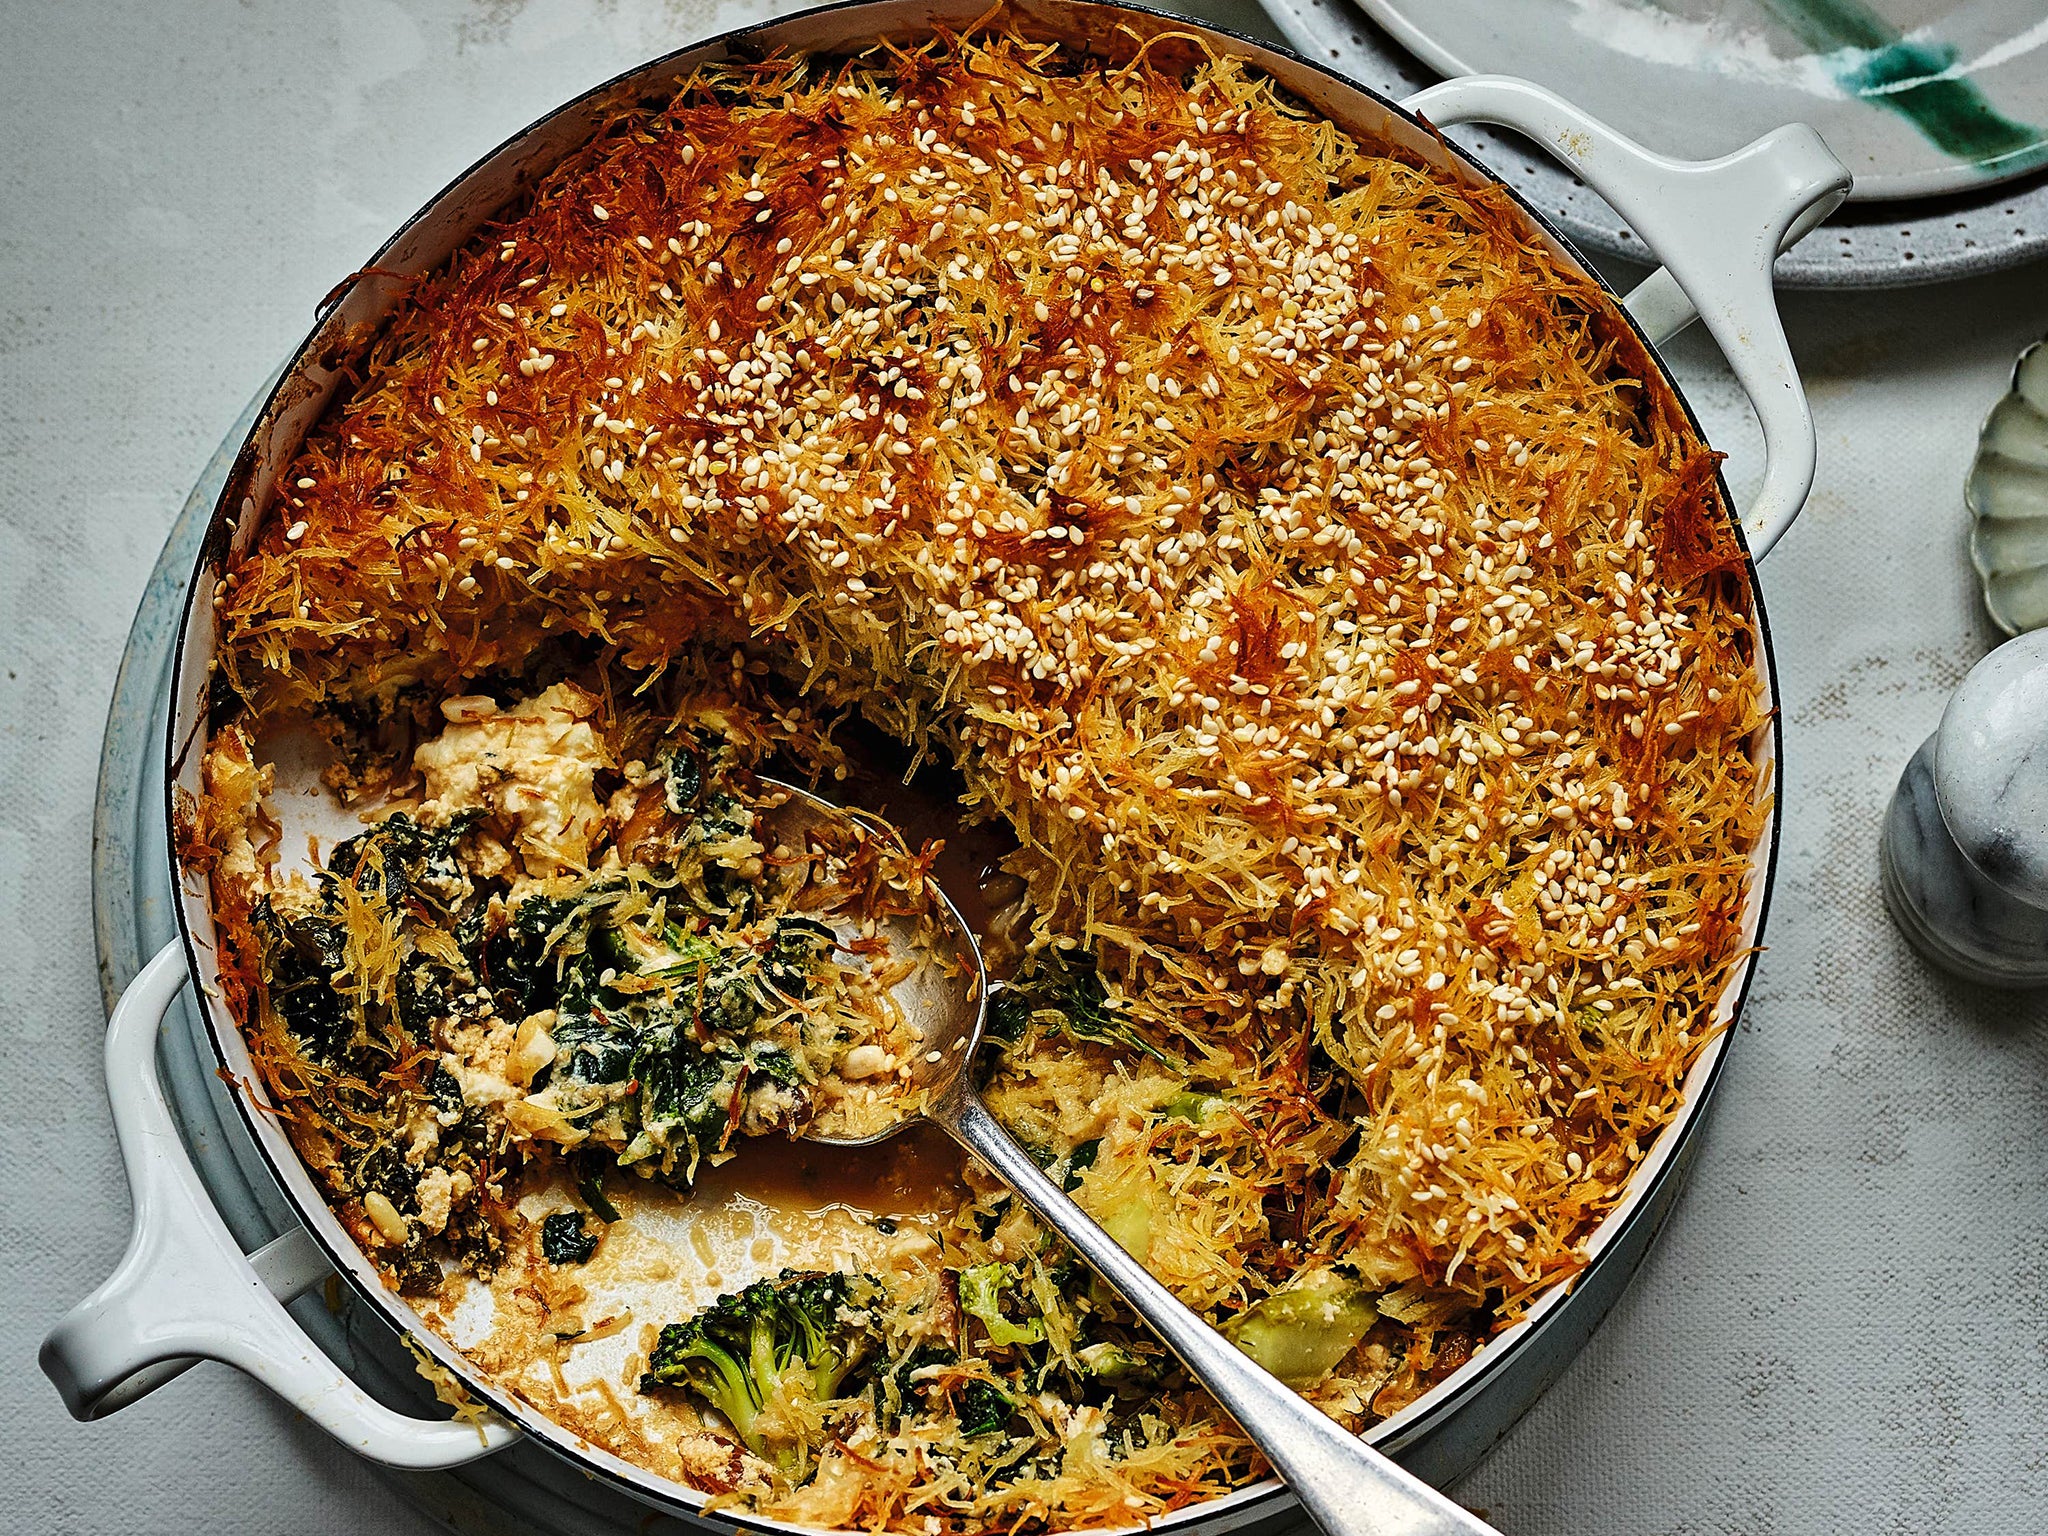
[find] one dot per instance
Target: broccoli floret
(807, 1331)
(1113, 1363)
(834, 1315)
(688, 1356)
(981, 1293)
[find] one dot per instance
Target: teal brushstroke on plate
(1900, 75)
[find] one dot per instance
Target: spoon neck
(1345, 1486)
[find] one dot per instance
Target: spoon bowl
(944, 1000)
(1344, 1485)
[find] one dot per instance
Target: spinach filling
(668, 996)
(672, 1038)
(563, 1240)
(371, 1046)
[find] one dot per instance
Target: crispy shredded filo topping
(1302, 559)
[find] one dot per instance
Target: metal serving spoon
(1346, 1487)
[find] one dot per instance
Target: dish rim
(188, 730)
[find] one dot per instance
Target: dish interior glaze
(1107, 1045)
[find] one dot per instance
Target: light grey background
(1843, 1329)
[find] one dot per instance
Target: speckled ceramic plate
(1917, 97)
(1864, 245)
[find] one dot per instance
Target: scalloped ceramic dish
(2007, 495)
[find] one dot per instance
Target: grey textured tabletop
(1842, 1330)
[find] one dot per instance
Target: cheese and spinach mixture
(510, 968)
(1314, 581)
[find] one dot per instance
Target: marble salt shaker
(1965, 850)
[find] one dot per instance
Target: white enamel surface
(429, 238)
(1700, 77)
(184, 1289)
(1718, 225)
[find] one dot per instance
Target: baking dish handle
(1717, 225)
(185, 1291)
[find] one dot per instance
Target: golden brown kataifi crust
(1312, 570)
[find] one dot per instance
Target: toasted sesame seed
(1337, 659)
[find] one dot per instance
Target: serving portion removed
(1304, 571)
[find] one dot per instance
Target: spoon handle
(1346, 1487)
